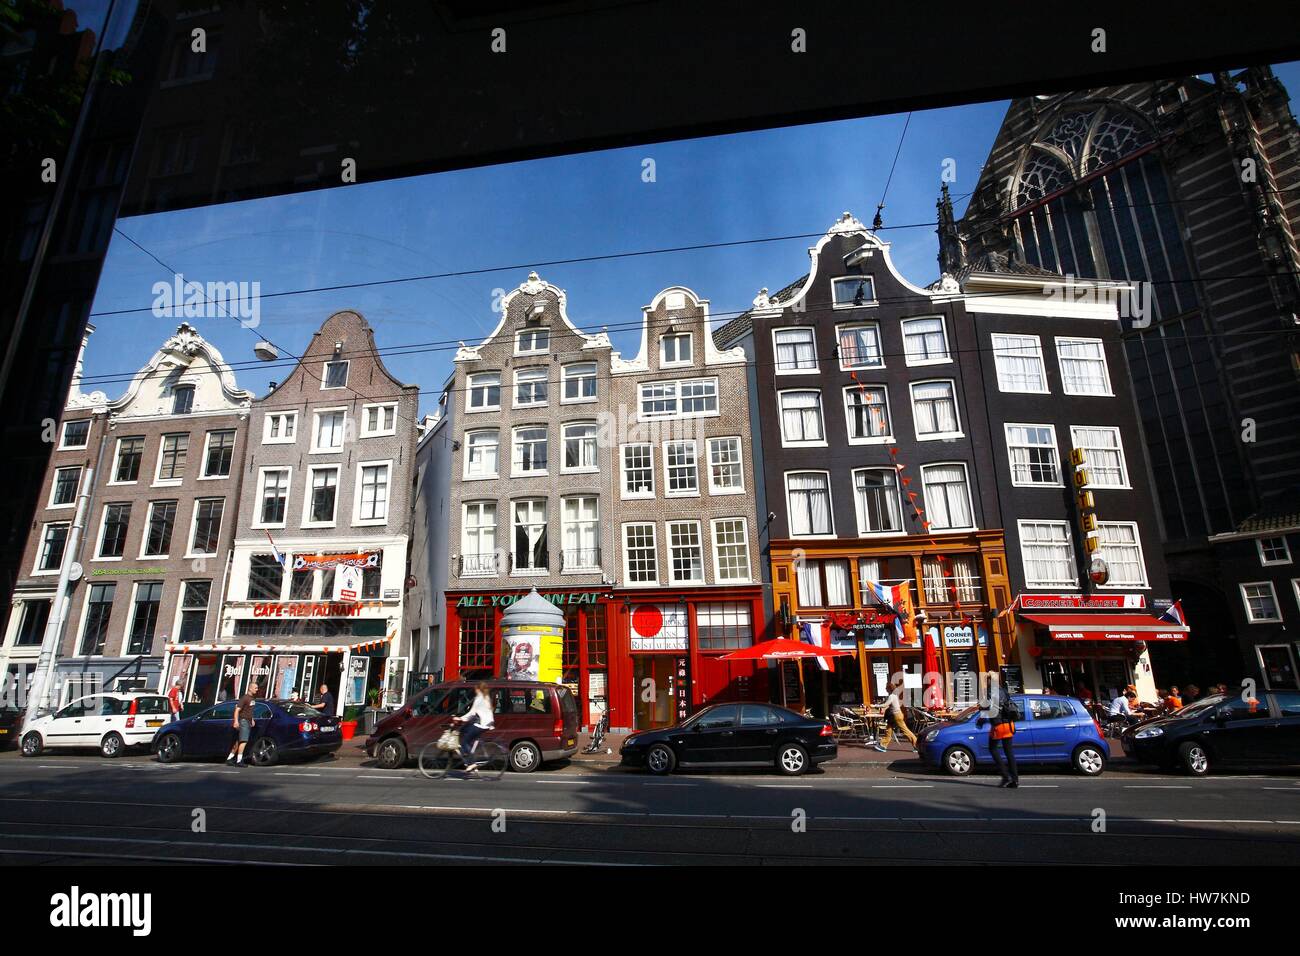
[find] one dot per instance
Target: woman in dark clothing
(1002, 728)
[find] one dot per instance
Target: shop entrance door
(652, 691)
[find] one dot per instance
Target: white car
(110, 721)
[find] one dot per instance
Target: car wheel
(791, 760)
(525, 757)
(111, 746)
(1195, 758)
(1088, 761)
(391, 754)
(265, 752)
(33, 746)
(660, 760)
(958, 762)
(169, 749)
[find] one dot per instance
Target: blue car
(281, 729)
(1049, 730)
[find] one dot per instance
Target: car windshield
(1203, 706)
(298, 710)
(966, 714)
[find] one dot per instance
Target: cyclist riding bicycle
(474, 723)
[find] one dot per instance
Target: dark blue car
(1049, 730)
(281, 729)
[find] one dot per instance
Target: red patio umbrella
(783, 649)
(930, 656)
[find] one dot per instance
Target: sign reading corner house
(360, 559)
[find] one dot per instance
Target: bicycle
(440, 757)
(601, 729)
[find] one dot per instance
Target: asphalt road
(60, 809)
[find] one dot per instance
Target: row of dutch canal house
(215, 525)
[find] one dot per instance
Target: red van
(536, 722)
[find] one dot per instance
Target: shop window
(724, 625)
(265, 576)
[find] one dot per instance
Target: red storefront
(652, 654)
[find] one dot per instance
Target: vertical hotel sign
(1097, 570)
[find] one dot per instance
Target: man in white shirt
(894, 719)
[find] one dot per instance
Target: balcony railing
(473, 565)
(533, 564)
(583, 559)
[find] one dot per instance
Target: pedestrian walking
(242, 725)
(894, 719)
(1002, 730)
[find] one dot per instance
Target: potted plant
(375, 698)
(349, 723)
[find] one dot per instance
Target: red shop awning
(1108, 627)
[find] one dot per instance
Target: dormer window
(533, 340)
(182, 399)
(675, 349)
(336, 375)
(854, 291)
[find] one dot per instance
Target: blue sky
(780, 182)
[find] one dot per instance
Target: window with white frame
(850, 291)
(640, 554)
(801, 418)
(532, 341)
(947, 496)
(859, 346)
(675, 348)
(372, 499)
(195, 597)
(478, 538)
(126, 466)
(638, 471)
(925, 341)
(579, 446)
(1083, 367)
(219, 453)
(482, 454)
(329, 430)
(75, 434)
(1033, 454)
(934, 410)
(530, 387)
(824, 583)
(158, 531)
(1019, 361)
(1273, 550)
(205, 534)
(1048, 554)
(63, 489)
(726, 471)
(1260, 601)
(966, 580)
(378, 420)
(808, 494)
(866, 410)
(578, 382)
(273, 497)
(934, 581)
(681, 477)
(323, 488)
(484, 391)
(679, 399)
(685, 552)
(182, 399)
(280, 428)
(1103, 455)
(868, 575)
(113, 530)
(531, 552)
(336, 375)
(171, 458)
(795, 350)
(731, 550)
(529, 450)
(580, 532)
(1122, 550)
(875, 496)
(54, 538)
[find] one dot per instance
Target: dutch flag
(1175, 614)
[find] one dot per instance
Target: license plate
(153, 723)
(4, 730)
(569, 743)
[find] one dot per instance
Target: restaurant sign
(360, 559)
(505, 600)
(307, 609)
(1047, 602)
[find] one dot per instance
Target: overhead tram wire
(634, 325)
(576, 260)
(878, 223)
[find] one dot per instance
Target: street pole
(41, 679)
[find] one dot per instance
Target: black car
(281, 729)
(734, 735)
(1260, 731)
(11, 722)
